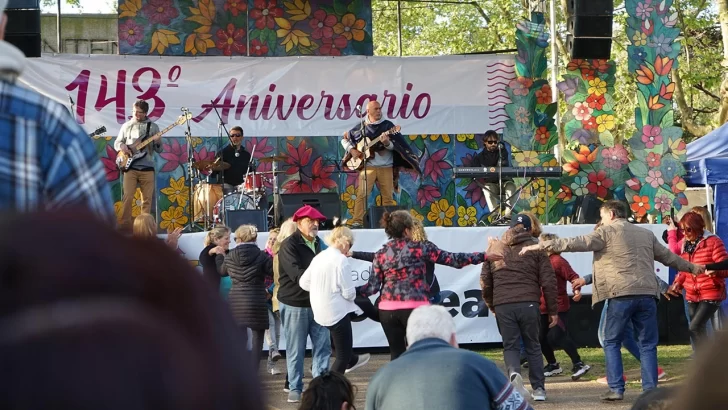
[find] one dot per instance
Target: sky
(87, 6)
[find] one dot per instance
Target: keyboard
(508, 172)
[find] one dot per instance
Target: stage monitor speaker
(327, 203)
(23, 27)
(257, 217)
(589, 48)
(587, 210)
(375, 214)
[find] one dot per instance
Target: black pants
(700, 313)
(257, 346)
(394, 324)
(343, 342)
(557, 338)
(516, 321)
(370, 310)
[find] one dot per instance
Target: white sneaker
(274, 371)
(363, 359)
(517, 382)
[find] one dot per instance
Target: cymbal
(210, 165)
(273, 159)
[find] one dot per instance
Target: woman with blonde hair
(217, 243)
(332, 294)
(248, 266)
(145, 227)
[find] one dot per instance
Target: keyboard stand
(502, 205)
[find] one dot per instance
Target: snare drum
(205, 196)
(253, 183)
(232, 202)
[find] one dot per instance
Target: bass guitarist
(141, 172)
(390, 154)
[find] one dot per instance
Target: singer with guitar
(390, 154)
(141, 171)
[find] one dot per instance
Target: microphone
(358, 110)
(183, 109)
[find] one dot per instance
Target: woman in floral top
(398, 273)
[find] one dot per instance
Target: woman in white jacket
(332, 294)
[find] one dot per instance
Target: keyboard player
(494, 151)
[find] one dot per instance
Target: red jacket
(564, 273)
(701, 287)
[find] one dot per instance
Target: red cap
(307, 211)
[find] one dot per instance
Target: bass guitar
(124, 161)
(97, 131)
(365, 147)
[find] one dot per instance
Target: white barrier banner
(283, 96)
(460, 287)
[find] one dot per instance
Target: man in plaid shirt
(46, 160)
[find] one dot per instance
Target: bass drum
(233, 202)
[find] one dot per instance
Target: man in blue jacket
(434, 374)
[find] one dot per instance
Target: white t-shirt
(331, 290)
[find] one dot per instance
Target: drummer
(238, 158)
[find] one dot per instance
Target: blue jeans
(629, 342)
(641, 311)
(298, 324)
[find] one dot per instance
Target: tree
(430, 28)
(48, 3)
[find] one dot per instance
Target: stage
(461, 288)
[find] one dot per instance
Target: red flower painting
(160, 12)
(231, 40)
(264, 13)
(112, 171)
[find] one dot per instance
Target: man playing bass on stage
(390, 153)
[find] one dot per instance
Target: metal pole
(58, 27)
(399, 27)
(554, 71)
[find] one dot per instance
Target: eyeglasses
(491, 142)
(236, 135)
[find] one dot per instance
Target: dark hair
(328, 392)
(395, 223)
(142, 105)
(694, 222)
(104, 304)
(656, 399)
(237, 128)
(619, 208)
(490, 133)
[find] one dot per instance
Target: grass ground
(672, 359)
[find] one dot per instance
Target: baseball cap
(521, 219)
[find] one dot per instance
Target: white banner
(460, 287)
(282, 96)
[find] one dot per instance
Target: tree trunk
(686, 111)
(723, 18)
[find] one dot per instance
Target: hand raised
(529, 248)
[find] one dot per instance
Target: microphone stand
(500, 182)
(247, 172)
(220, 128)
(190, 174)
(364, 154)
(73, 107)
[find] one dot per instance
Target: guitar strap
(149, 126)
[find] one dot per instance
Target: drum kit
(211, 201)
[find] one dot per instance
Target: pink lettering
(227, 93)
(80, 82)
(151, 92)
(119, 97)
(305, 103)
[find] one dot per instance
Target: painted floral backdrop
(257, 28)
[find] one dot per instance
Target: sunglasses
(236, 135)
(491, 142)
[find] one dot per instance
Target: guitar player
(492, 152)
(141, 171)
(390, 154)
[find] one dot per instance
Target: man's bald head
(374, 111)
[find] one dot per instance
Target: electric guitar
(124, 161)
(365, 147)
(97, 132)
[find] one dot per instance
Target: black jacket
(211, 265)
(294, 256)
(235, 175)
(487, 158)
(248, 266)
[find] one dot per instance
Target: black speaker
(327, 203)
(586, 210)
(589, 23)
(375, 214)
(23, 27)
(257, 217)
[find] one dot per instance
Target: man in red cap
(294, 256)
